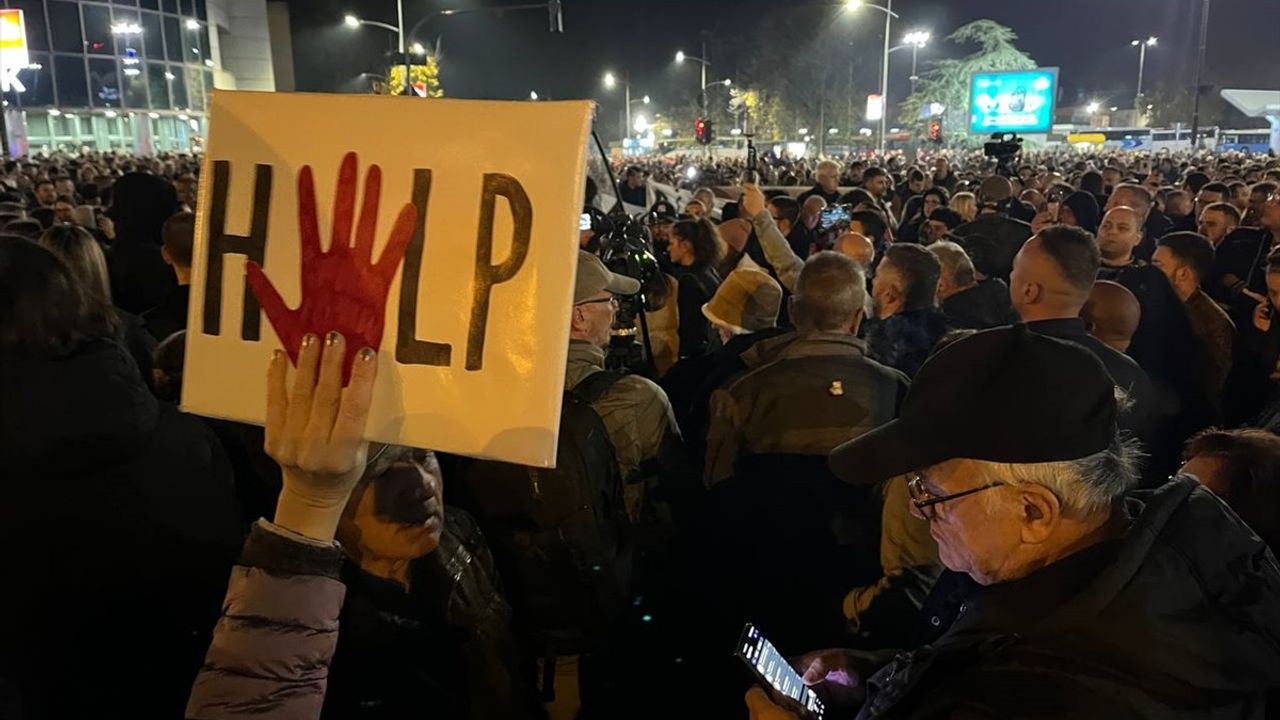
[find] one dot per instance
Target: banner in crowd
(433, 230)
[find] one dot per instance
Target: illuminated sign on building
(13, 50)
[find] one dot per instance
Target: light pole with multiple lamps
(1142, 46)
(889, 16)
(915, 40)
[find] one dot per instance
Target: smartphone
(834, 215)
(1052, 207)
(752, 173)
(768, 664)
(584, 221)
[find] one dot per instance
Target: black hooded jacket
(140, 278)
(985, 305)
(122, 521)
(1179, 617)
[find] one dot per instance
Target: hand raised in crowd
(752, 202)
(1261, 313)
(1042, 220)
(107, 226)
(315, 432)
(343, 290)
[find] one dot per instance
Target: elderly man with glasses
(1067, 594)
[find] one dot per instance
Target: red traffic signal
(935, 130)
(700, 131)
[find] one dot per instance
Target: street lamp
(533, 94)
(611, 81)
(916, 40)
(889, 16)
(702, 60)
(1142, 46)
(1093, 107)
(417, 49)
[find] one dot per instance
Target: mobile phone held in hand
(774, 671)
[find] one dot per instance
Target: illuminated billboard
(1012, 100)
(13, 50)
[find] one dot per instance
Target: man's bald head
(735, 233)
(1112, 314)
(1054, 273)
(1119, 233)
(858, 247)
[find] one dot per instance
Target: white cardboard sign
(481, 198)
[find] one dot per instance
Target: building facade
(131, 75)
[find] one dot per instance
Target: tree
(947, 82)
(799, 64)
(425, 75)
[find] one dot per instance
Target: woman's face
(397, 510)
(931, 203)
(680, 251)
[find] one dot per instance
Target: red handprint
(342, 289)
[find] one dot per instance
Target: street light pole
(1204, 39)
(1142, 46)
(704, 77)
(884, 76)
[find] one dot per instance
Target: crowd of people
(965, 438)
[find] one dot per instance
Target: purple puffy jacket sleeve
(279, 626)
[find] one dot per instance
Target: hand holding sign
(343, 290)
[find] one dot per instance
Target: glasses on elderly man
(926, 502)
(612, 300)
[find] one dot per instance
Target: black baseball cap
(1003, 395)
(663, 212)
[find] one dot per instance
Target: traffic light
(935, 130)
(703, 131)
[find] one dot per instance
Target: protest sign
(308, 203)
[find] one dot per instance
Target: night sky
(487, 56)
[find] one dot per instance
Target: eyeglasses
(925, 501)
(612, 300)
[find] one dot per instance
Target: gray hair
(829, 293)
(1084, 486)
(955, 262)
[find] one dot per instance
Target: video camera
(626, 248)
(1004, 147)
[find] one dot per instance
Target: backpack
(555, 533)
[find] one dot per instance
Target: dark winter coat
(695, 288)
(123, 522)
(1177, 618)
(444, 649)
(140, 278)
(904, 340)
(985, 305)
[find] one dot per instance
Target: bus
(1250, 141)
(1112, 138)
(1140, 139)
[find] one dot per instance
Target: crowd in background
(1087, 340)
